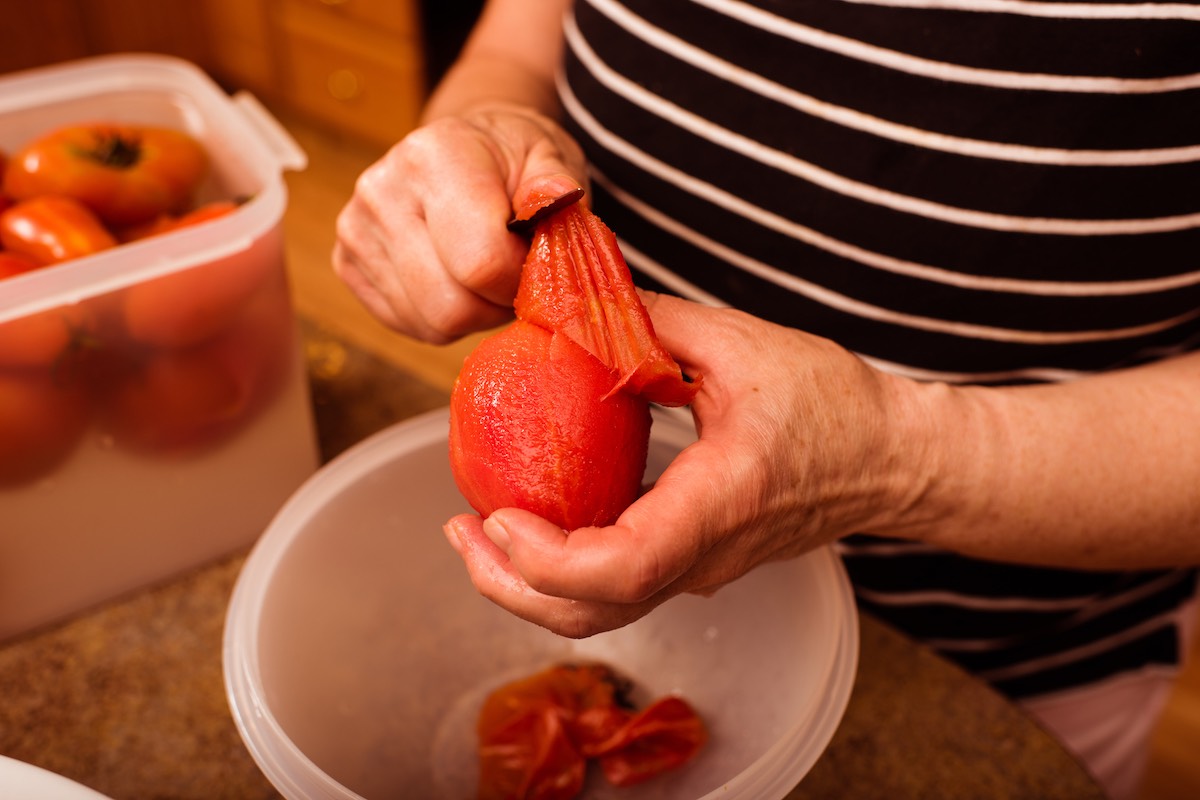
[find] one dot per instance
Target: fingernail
(452, 536)
(495, 530)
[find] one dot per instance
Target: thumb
(542, 195)
(688, 330)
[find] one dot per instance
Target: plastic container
(154, 411)
(357, 652)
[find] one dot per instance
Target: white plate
(21, 780)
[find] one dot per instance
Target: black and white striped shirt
(975, 191)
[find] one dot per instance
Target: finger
(405, 288)
(683, 327)
(657, 546)
(496, 578)
(440, 195)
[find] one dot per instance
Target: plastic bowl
(357, 652)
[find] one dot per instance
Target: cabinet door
(241, 47)
(342, 64)
(39, 32)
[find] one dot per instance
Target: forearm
(1103, 472)
(510, 58)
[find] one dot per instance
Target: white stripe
(679, 285)
(927, 68)
(1079, 653)
(821, 294)
(856, 120)
(897, 547)
(804, 170)
(1101, 11)
(932, 597)
(1089, 611)
(852, 252)
(688, 290)
(1045, 374)
(1040, 374)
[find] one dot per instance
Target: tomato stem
(114, 150)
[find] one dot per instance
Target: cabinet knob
(343, 84)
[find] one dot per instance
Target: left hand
(794, 451)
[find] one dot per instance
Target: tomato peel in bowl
(536, 734)
(551, 414)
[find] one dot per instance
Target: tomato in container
(190, 306)
(124, 173)
(42, 339)
(173, 414)
(42, 417)
(51, 229)
(181, 400)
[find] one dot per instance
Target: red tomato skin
(537, 733)
(42, 419)
(662, 737)
(53, 229)
(125, 173)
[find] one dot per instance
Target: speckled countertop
(128, 698)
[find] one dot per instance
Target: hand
(794, 451)
(423, 243)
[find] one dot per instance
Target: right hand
(422, 241)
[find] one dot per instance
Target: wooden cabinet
(356, 64)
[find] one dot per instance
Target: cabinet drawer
(393, 17)
(360, 80)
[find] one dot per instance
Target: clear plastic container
(358, 654)
(154, 411)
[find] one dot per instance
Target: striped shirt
(975, 191)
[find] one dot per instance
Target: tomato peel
(537, 733)
(575, 281)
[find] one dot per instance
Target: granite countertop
(128, 698)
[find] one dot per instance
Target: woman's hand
(802, 443)
(423, 243)
(794, 451)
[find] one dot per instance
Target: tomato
(51, 229)
(5, 200)
(125, 173)
(179, 401)
(165, 223)
(187, 307)
(41, 421)
(39, 339)
(534, 425)
(15, 264)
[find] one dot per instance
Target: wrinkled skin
(685, 535)
(423, 241)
